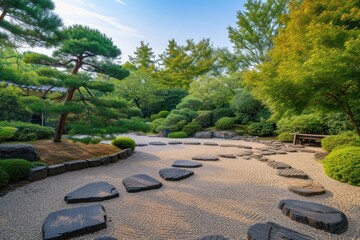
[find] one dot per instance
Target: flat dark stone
(174, 142)
(140, 182)
(186, 164)
(297, 146)
(94, 162)
(192, 143)
(23, 151)
(280, 152)
(38, 173)
(211, 144)
(305, 188)
(73, 222)
(204, 157)
(141, 144)
(289, 149)
(92, 192)
(129, 152)
(105, 160)
(105, 238)
(122, 155)
(56, 169)
(214, 237)
(292, 173)
(175, 174)
(278, 165)
(315, 215)
(273, 231)
(76, 165)
(244, 146)
(227, 145)
(227, 155)
(157, 143)
(263, 159)
(305, 150)
(113, 158)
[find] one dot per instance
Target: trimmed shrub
(204, 119)
(163, 114)
(156, 123)
(16, 168)
(181, 124)
(87, 140)
(225, 123)
(124, 142)
(28, 131)
(261, 129)
(4, 178)
(286, 137)
(178, 135)
(337, 123)
(347, 138)
(7, 133)
(220, 113)
(191, 128)
(191, 103)
(309, 123)
(344, 165)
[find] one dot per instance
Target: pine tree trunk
(3, 14)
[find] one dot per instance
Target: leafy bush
(181, 124)
(286, 137)
(347, 138)
(191, 128)
(178, 135)
(124, 142)
(38, 164)
(220, 113)
(16, 168)
(191, 103)
(344, 165)
(87, 140)
(163, 114)
(11, 108)
(28, 131)
(156, 123)
(261, 129)
(4, 178)
(225, 123)
(204, 119)
(309, 123)
(7, 133)
(337, 123)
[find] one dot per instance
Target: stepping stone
(305, 188)
(211, 144)
(73, 222)
(174, 142)
(263, 159)
(92, 192)
(280, 152)
(243, 154)
(227, 145)
(204, 157)
(315, 215)
(157, 143)
(227, 155)
(141, 144)
(292, 173)
(247, 157)
(192, 143)
(140, 182)
(268, 153)
(307, 150)
(186, 164)
(273, 231)
(214, 237)
(244, 146)
(320, 155)
(297, 146)
(278, 165)
(175, 174)
(105, 238)
(289, 149)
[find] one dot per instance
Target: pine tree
(144, 58)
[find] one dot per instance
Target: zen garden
(258, 140)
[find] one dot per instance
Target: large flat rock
(175, 142)
(192, 143)
(292, 173)
(175, 174)
(273, 231)
(315, 215)
(92, 192)
(73, 222)
(227, 155)
(157, 143)
(23, 151)
(205, 157)
(278, 165)
(305, 188)
(211, 144)
(186, 164)
(140, 182)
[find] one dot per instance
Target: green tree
(83, 49)
(31, 22)
(144, 58)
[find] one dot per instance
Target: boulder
(141, 144)
(305, 188)
(122, 155)
(204, 157)
(23, 151)
(315, 215)
(186, 164)
(94, 162)
(244, 146)
(203, 134)
(140, 182)
(92, 192)
(65, 224)
(56, 169)
(292, 173)
(175, 174)
(76, 165)
(38, 173)
(164, 133)
(223, 134)
(306, 150)
(320, 156)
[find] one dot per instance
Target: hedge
(347, 138)
(16, 168)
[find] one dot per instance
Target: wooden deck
(299, 137)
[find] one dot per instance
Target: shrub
(347, 138)
(7, 133)
(191, 103)
(38, 164)
(16, 168)
(220, 113)
(344, 165)
(261, 129)
(4, 178)
(87, 140)
(181, 124)
(124, 142)
(28, 131)
(11, 107)
(286, 137)
(225, 123)
(163, 114)
(191, 128)
(309, 123)
(337, 123)
(178, 135)
(156, 123)
(204, 119)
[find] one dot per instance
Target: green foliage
(7, 133)
(225, 123)
(16, 168)
(87, 140)
(286, 137)
(261, 129)
(344, 165)
(204, 119)
(191, 128)
(4, 178)
(28, 131)
(347, 138)
(163, 114)
(144, 58)
(178, 135)
(306, 123)
(156, 123)
(220, 113)
(190, 103)
(38, 164)
(337, 123)
(181, 124)
(11, 107)
(124, 142)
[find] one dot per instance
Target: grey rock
(141, 144)
(224, 155)
(203, 134)
(186, 164)
(278, 165)
(106, 238)
(23, 151)
(38, 173)
(227, 145)
(157, 143)
(192, 143)
(122, 155)
(320, 155)
(305, 188)
(292, 173)
(140, 182)
(204, 157)
(94, 162)
(113, 158)
(223, 134)
(174, 142)
(129, 152)
(76, 165)
(244, 146)
(214, 237)
(211, 144)
(56, 169)
(105, 160)
(305, 150)
(175, 174)
(164, 133)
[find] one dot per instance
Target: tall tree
(30, 22)
(256, 27)
(83, 49)
(144, 58)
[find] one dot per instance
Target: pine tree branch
(3, 14)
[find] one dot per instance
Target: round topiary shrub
(347, 138)
(191, 128)
(344, 165)
(204, 118)
(261, 129)
(225, 123)
(4, 178)
(286, 137)
(16, 168)
(124, 142)
(178, 135)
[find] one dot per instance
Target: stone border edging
(42, 172)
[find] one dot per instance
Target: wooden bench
(299, 137)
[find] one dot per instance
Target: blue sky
(128, 22)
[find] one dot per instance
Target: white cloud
(121, 2)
